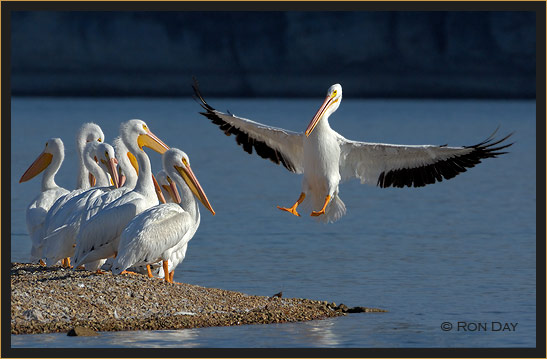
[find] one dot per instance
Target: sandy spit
(55, 299)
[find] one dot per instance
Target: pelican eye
(185, 162)
(99, 139)
(46, 144)
(106, 154)
(334, 93)
(145, 127)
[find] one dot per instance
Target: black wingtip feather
(447, 169)
(202, 102)
(242, 138)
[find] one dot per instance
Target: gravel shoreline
(55, 299)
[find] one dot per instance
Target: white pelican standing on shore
(49, 161)
(326, 158)
(168, 196)
(161, 233)
(99, 237)
(40, 209)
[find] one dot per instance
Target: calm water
(457, 251)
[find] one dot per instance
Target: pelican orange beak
(195, 187)
(39, 164)
(111, 166)
(92, 180)
(157, 187)
(329, 100)
(151, 141)
(172, 190)
(122, 179)
(121, 176)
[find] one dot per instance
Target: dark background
(371, 53)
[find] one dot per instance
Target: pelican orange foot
(293, 208)
(322, 211)
(128, 272)
(65, 262)
(166, 272)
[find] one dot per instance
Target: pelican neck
(83, 173)
(48, 178)
(322, 125)
(188, 201)
(128, 170)
(97, 171)
(144, 184)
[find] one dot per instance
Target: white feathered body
(159, 233)
(100, 236)
(36, 215)
(78, 210)
(321, 159)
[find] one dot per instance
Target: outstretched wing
(276, 144)
(388, 165)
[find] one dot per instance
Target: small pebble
(81, 332)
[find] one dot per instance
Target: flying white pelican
(64, 226)
(99, 237)
(49, 161)
(326, 158)
(89, 132)
(161, 233)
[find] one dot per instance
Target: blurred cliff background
(372, 54)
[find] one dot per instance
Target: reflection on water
(187, 338)
(462, 249)
(318, 332)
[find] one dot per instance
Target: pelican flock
(118, 212)
(326, 158)
(115, 184)
(99, 237)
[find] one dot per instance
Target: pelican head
(90, 132)
(105, 155)
(54, 148)
(137, 132)
(181, 163)
(331, 103)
